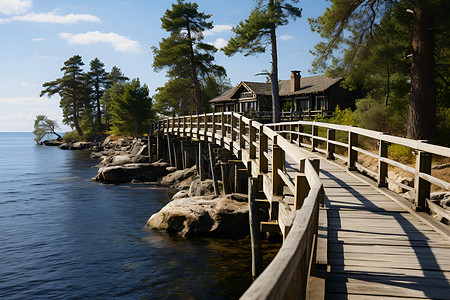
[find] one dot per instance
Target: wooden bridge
(345, 236)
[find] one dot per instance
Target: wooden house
(299, 97)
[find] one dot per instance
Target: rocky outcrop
(144, 172)
(402, 178)
(51, 143)
(442, 199)
(223, 216)
(201, 188)
(76, 146)
(180, 179)
(122, 159)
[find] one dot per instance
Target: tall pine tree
(183, 52)
(258, 31)
(71, 89)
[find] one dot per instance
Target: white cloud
(37, 39)
(217, 29)
(4, 21)
(41, 56)
(286, 37)
(294, 54)
(24, 100)
(53, 17)
(15, 7)
(25, 83)
(219, 43)
(119, 42)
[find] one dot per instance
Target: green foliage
(176, 97)
(71, 88)
(400, 153)
(443, 126)
(97, 80)
(253, 35)
(370, 44)
(71, 137)
(131, 108)
(44, 126)
(183, 53)
(372, 114)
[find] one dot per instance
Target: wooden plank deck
(377, 249)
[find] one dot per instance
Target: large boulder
(81, 145)
(123, 159)
(180, 179)
(223, 216)
(126, 173)
(201, 188)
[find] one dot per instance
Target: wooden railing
(264, 152)
(423, 151)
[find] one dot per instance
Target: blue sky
(39, 35)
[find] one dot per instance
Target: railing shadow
(432, 272)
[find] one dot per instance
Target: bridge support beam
(255, 234)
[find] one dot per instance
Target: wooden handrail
(422, 149)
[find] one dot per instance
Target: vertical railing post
(241, 133)
(277, 164)
(382, 166)
(198, 127)
(205, 125)
(290, 132)
(213, 127)
(150, 153)
(331, 136)
(352, 154)
(314, 141)
(300, 136)
(223, 129)
(252, 140)
(422, 186)
(233, 132)
(301, 190)
(263, 147)
(257, 258)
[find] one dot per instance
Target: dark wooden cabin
(299, 97)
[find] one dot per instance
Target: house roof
(309, 85)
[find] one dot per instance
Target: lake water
(63, 236)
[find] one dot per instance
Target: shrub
(71, 136)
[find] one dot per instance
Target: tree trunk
(386, 99)
(422, 107)
(198, 92)
(75, 113)
(99, 111)
(274, 78)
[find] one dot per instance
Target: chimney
(295, 80)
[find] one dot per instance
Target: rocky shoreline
(194, 211)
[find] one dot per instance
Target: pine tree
(183, 52)
(97, 77)
(259, 31)
(353, 24)
(131, 108)
(71, 89)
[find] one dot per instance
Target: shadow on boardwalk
(369, 258)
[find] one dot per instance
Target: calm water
(65, 237)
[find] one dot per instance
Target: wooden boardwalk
(376, 248)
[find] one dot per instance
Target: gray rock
(126, 173)
(119, 160)
(217, 216)
(81, 145)
(201, 188)
(177, 177)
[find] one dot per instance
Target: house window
(304, 104)
(322, 102)
(248, 106)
